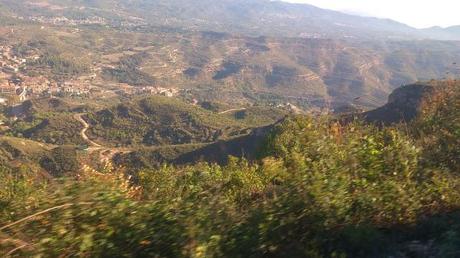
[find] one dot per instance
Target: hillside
(155, 121)
(146, 132)
(315, 189)
(19, 151)
(404, 105)
(309, 73)
(220, 152)
(225, 128)
(48, 120)
(249, 17)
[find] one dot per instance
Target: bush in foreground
(319, 190)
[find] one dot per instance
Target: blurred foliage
(319, 189)
(438, 127)
(61, 161)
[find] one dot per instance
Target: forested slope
(317, 189)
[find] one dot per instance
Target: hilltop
(404, 105)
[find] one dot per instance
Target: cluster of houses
(48, 89)
(27, 87)
(167, 92)
(13, 81)
(62, 20)
(10, 63)
(290, 107)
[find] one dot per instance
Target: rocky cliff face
(403, 105)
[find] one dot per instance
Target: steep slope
(417, 105)
(414, 103)
(404, 104)
(245, 146)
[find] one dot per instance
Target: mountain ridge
(249, 17)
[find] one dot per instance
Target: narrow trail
(80, 119)
(232, 110)
(106, 154)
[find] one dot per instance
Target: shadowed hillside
(404, 105)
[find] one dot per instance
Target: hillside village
(17, 85)
(20, 80)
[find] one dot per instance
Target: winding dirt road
(105, 154)
(80, 119)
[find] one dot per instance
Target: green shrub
(62, 161)
(319, 189)
(438, 127)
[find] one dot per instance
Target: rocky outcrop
(403, 105)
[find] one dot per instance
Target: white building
(3, 101)
(22, 94)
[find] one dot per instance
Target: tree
(61, 161)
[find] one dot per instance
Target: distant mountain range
(239, 51)
(249, 17)
(450, 33)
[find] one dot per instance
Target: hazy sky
(417, 13)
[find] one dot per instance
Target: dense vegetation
(148, 121)
(157, 120)
(54, 59)
(228, 69)
(438, 129)
(59, 66)
(128, 71)
(319, 189)
(46, 120)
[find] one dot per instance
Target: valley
(313, 74)
(225, 128)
